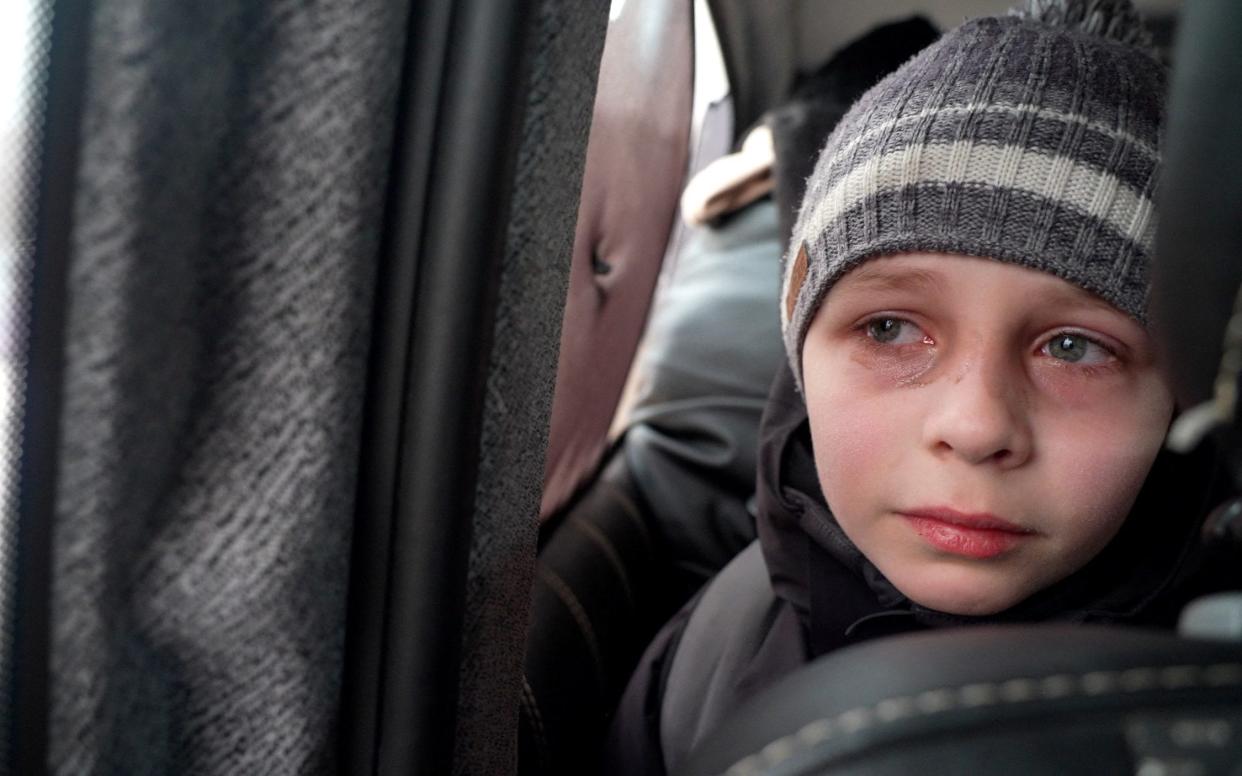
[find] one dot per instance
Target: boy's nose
(978, 415)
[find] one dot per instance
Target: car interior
(379, 377)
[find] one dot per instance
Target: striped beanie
(1031, 138)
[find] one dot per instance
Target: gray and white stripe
(1064, 179)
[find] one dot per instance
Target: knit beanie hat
(1031, 138)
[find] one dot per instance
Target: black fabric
(634, 745)
(602, 587)
(721, 668)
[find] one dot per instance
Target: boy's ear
(797, 276)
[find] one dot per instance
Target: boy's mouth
(971, 535)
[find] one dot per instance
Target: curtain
(231, 187)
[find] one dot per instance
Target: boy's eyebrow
(878, 278)
(1082, 298)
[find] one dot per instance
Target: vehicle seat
(636, 162)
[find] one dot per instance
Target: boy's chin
(953, 594)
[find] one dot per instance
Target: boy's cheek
(858, 440)
(1102, 456)
(1098, 475)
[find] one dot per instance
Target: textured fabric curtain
(230, 197)
(228, 218)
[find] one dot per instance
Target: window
(25, 30)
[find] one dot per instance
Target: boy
(972, 405)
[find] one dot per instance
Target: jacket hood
(1127, 582)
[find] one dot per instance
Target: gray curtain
(566, 48)
(231, 188)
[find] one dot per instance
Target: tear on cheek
(898, 369)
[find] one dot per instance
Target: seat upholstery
(602, 587)
(636, 163)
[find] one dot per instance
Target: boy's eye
(894, 331)
(1075, 349)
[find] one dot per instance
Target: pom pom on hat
(1111, 19)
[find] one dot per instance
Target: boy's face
(981, 430)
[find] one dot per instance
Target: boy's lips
(972, 535)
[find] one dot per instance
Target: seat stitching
(531, 704)
(630, 509)
(566, 594)
(609, 550)
(985, 694)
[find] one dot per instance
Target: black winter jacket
(803, 590)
